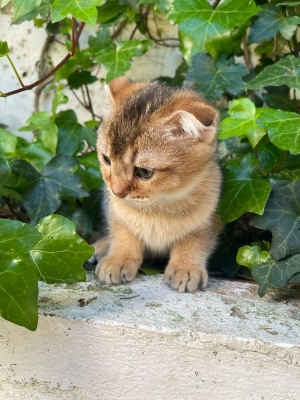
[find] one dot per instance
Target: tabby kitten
(157, 150)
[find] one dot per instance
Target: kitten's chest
(158, 232)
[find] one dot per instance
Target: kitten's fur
(173, 132)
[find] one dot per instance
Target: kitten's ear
(202, 125)
(116, 89)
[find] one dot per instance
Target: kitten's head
(154, 141)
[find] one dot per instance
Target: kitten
(157, 150)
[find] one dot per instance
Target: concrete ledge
(145, 341)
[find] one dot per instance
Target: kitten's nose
(119, 194)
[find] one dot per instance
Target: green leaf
(284, 72)
(70, 133)
(200, 25)
(84, 10)
(213, 80)
(283, 128)
(43, 10)
(234, 145)
(102, 39)
(90, 174)
(4, 3)
(161, 4)
(45, 127)
(59, 98)
(249, 256)
(242, 122)
(79, 78)
(283, 178)
(8, 142)
(35, 153)
(272, 20)
(60, 253)
(279, 97)
(82, 58)
(4, 50)
(8, 179)
(282, 218)
(92, 206)
(84, 225)
(117, 61)
(268, 155)
(109, 11)
(24, 174)
(18, 277)
(244, 190)
(275, 274)
(57, 180)
(23, 7)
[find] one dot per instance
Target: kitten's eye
(144, 173)
(106, 160)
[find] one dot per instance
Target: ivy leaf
(70, 133)
(102, 39)
(234, 145)
(213, 80)
(4, 3)
(272, 20)
(284, 72)
(8, 142)
(268, 155)
(279, 97)
(275, 274)
(200, 25)
(43, 10)
(283, 178)
(18, 277)
(110, 10)
(23, 7)
(117, 60)
(57, 179)
(8, 180)
(92, 206)
(79, 78)
(283, 128)
(244, 190)
(242, 122)
(84, 225)
(46, 128)
(249, 256)
(4, 50)
(282, 218)
(60, 253)
(59, 98)
(24, 174)
(35, 153)
(84, 10)
(90, 174)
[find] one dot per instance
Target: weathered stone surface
(145, 341)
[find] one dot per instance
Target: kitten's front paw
(185, 278)
(114, 270)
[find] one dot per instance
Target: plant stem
(69, 55)
(15, 71)
(280, 161)
(247, 54)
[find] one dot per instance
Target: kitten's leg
(101, 249)
(124, 257)
(187, 266)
